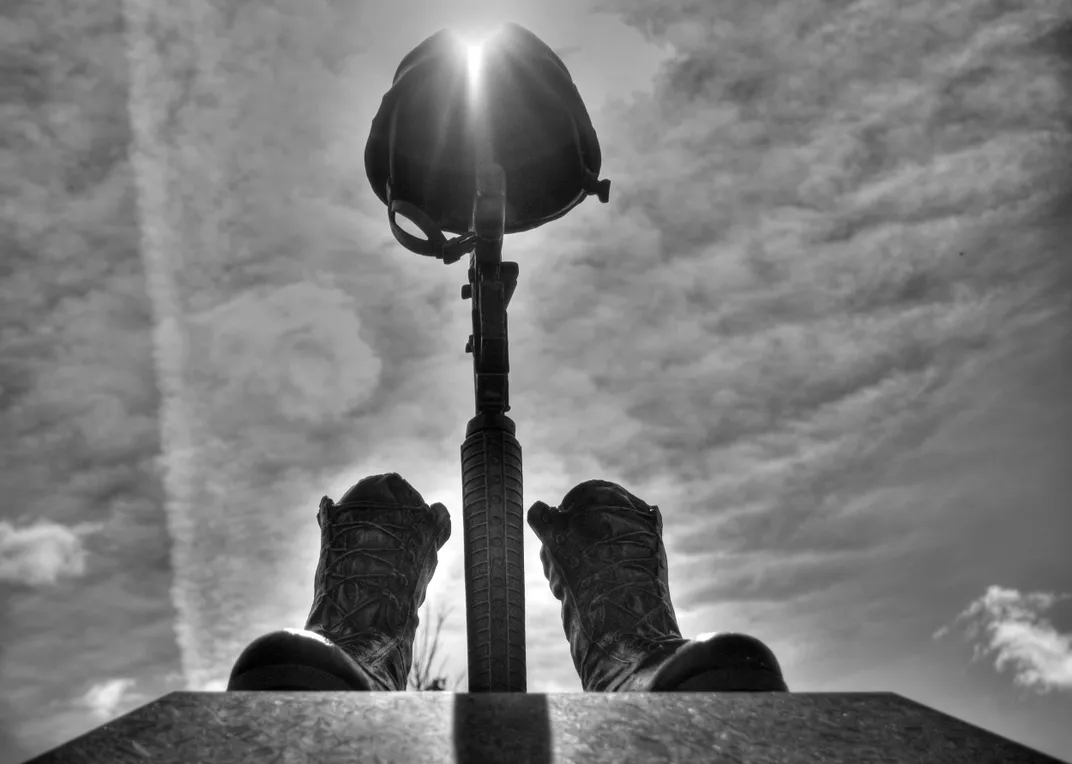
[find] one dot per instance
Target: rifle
(492, 485)
(492, 513)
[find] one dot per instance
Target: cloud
(774, 313)
(320, 368)
(103, 699)
(1009, 625)
(292, 348)
(43, 553)
(85, 554)
(769, 314)
(775, 304)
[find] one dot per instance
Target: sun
(474, 54)
(473, 40)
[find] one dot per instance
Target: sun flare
(474, 53)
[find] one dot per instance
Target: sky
(824, 323)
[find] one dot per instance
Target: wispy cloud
(79, 429)
(44, 552)
(1009, 625)
(103, 699)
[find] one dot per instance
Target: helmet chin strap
(436, 245)
(451, 251)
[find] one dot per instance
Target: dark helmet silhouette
(421, 150)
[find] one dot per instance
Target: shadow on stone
(515, 728)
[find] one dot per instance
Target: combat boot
(604, 559)
(379, 549)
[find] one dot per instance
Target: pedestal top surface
(538, 729)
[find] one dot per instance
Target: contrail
(259, 366)
(159, 240)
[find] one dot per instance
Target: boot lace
(374, 586)
(607, 584)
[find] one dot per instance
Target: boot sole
(732, 680)
(291, 676)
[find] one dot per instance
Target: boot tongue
(389, 488)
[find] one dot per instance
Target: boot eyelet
(560, 539)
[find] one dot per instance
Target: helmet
(421, 154)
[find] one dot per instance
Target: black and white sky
(825, 323)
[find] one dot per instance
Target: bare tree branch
(424, 655)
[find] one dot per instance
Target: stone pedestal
(854, 728)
